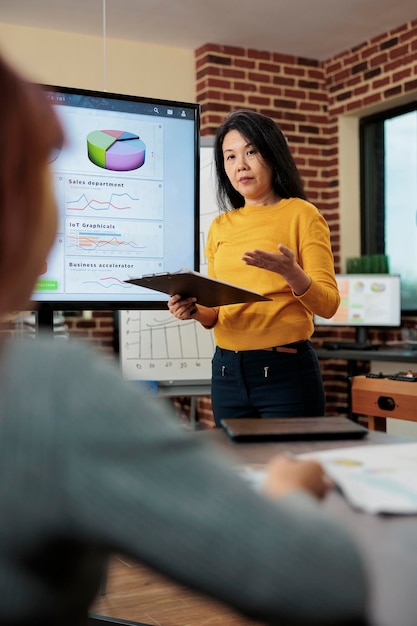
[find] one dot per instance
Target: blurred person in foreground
(89, 466)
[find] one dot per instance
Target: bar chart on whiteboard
(157, 346)
(154, 345)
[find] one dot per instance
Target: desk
(383, 354)
(389, 543)
(382, 398)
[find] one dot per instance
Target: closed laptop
(292, 428)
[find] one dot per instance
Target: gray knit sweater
(89, 466)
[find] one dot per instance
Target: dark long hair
(264, 134)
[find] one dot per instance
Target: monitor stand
(361, 342)
(361, 336)
(45, 321)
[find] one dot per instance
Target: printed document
(374, 478)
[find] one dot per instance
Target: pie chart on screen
(116, 150)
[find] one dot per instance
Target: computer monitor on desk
(366, 301)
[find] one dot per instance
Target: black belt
(290, 348)
(281, 349)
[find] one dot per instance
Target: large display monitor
(366, 300)
(127, 188)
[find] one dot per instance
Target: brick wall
(306, 97)
(373, 73)
(98, 330)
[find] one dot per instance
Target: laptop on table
(292, 428)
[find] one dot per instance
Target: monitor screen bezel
(331, 323)
(153, 300)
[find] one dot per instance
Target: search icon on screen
(155, 110)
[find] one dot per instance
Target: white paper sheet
(376, 478)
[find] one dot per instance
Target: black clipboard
(188, 283)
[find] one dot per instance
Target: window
(388, 143)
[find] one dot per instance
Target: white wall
(72, 60)
(349, 188)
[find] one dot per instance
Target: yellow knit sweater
(287, 318)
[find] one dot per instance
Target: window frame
(372, 181)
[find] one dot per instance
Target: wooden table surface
(389, 545)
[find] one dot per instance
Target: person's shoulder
(304, 206)
(224, 216)
(220, 222)
(304, 211)
(47, 353)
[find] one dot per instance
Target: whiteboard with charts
(154, 345)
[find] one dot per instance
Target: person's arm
(284, 475)
(308, 271)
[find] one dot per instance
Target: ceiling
(316, 29)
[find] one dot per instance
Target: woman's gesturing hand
(282, 262)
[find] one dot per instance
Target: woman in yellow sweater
(268, 238)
